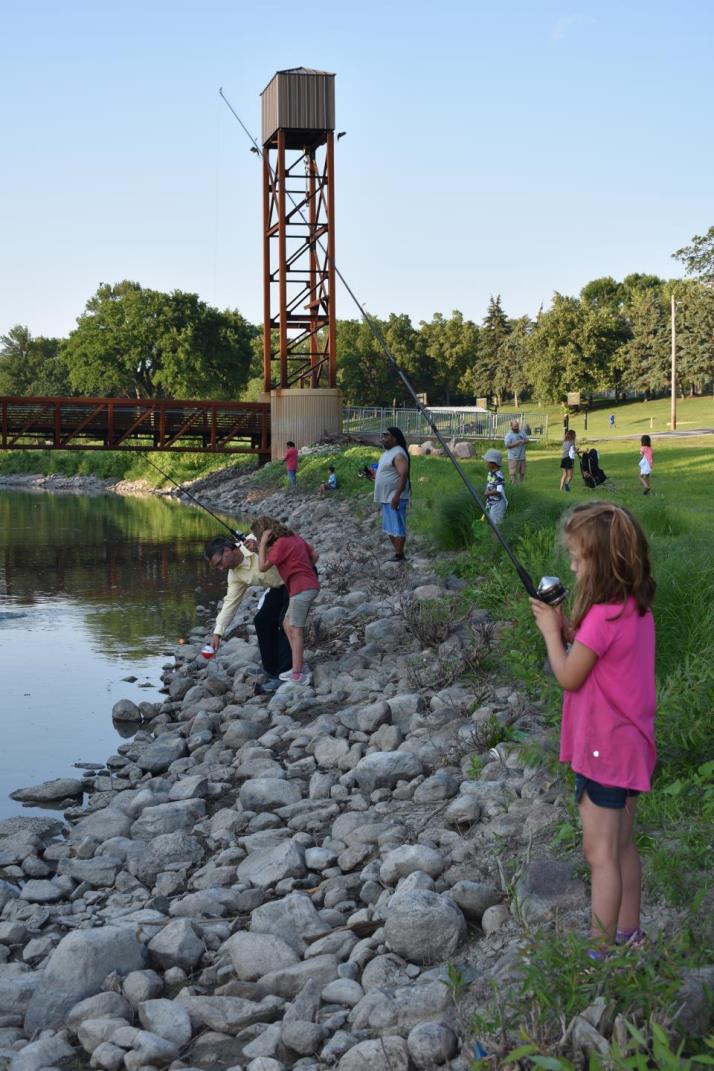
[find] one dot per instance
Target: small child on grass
(291, 463)
(567, 461)
(645, 463)
(331, 483)
(496, 501)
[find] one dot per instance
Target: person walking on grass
(291, 463)
(392, 489)
(567, 461)
(646, 463)
(608, 675)
(295, 561)
(515, 442)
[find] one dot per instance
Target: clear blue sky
(512, 148)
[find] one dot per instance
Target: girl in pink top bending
(608, 674)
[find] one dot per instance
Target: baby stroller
(590, 469)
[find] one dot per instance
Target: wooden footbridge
(135, 424)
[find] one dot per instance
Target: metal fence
(451, 423)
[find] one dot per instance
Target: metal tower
(298, 122)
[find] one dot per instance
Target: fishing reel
(551, 590)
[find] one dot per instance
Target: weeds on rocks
(628, 1006)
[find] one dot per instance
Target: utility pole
(673, 412)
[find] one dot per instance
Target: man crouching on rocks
(240, 559)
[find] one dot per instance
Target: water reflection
(92, 590)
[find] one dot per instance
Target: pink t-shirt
(608, 723)
(291, 557)
(291, 459)
(646, 452)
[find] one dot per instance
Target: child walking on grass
(295, 560)
(567, 461)
(645, 463)
(608, 676)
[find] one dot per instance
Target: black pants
(275, 652)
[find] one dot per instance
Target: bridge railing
(466, 423)
(42, 423)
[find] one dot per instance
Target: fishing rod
(185, 491)
(550, 589)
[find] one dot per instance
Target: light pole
(673, 410)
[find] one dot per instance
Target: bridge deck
(134, 424)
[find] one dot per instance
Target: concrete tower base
(303, 416)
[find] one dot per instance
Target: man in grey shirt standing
(515, 442)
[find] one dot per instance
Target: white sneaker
(288, 674)
(300, 678)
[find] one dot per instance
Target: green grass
(632, 418)
(116, 464)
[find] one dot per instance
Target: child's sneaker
(271, 684)
(632, 939)
(288, 674)
(299, 678)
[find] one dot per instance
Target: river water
(92, 590)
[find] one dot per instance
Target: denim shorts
(394, 521)
(602, 795)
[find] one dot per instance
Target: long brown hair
(269, 524)
(615, 553)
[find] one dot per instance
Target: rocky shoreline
(316, 878)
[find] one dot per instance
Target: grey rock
(547, 886)
(266, 1043)
(303, 1037)
(440, 786)
(190, 788)
(99, 872)
(385, 1010)
(288, 981)
(431, 1044)
(383, 769)
(125, 710)
(423, 926)
(40, 891)
(228, 1015)
(256, 954)
(47, 1052)
(168, 851)
(329, 750)
(177, 945)
(388, 971)
(388, 1053)
(150, 1050)
(158, 755)
(494, 918)
(694, 1001)
(102, 825)
(267, 867)
(294, 918)
(49, 791)
(410, 857)
(268, 794)
(168, 818)
(77, 968)
(102, 1006)
(16, 992)
(94, 1032)
(108, 1057)
(464, 810)
(168, 1019)
(474, 897)
(139, 986)
(343, 991)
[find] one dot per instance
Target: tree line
(132, 341)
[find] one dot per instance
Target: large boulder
(424, 927)
(383, 769)
(61, 788)
(77, 968)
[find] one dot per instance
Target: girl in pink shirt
(645, 463)
(608, 674)
(295, 560)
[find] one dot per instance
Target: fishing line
(185, 491)
(379, 338)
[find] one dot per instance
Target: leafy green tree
(643, 362)
(495, 328)
(695, 335)
(363, 372)
(603, 292)
(512, 374)
(698, 256)
(132, 341)
(450, 348)
(31, 366)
